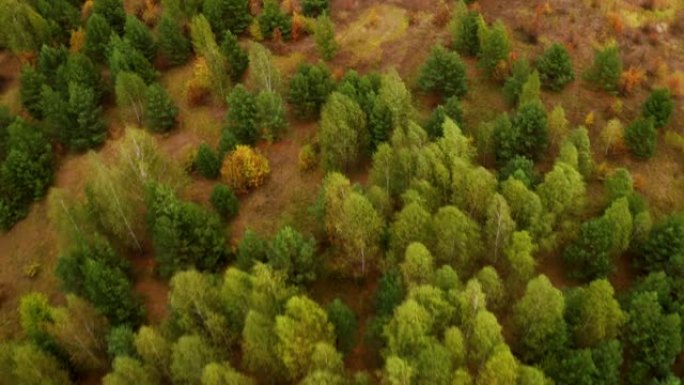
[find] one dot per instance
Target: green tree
(238, 61)
(589, 256)
(259, 346)
(302, 326)
(390, 292)
(444, 73)
(182, 10)
(127, 370)
(224, 201)
(495, 50)
(324, 36)
(123, 57)
(521, 263)
(204, 43)
(113, 11)
(652, 338)
(272, 18)
(130, 90)
(407, 332)
(465, 30)
(23, 28)
(606, 69)
(500, 369)
(271, 114)
(35, 315)
(154, 351)
(499, 226)
(562, 192)
(263, 74)
(32, 366)
(313, 8)
(513, 86)
(359, 231)
(343, 134)
(140, 37)
(207, 162)
(538, 319)
(160, 109)
(664, 242)
(30, 92)
(97, 35)
(88, 129)
(640, 137)
(232, 15)
(457, 238)
(189, 356)
(593, 313)
(292, 253)
(241, 115)
(618, 184)
(173, 44)
(555, 67)
(434, 365)
(121, 342)
(579, 137)
(412, 224)
(484, 337)
(309, 88)
(451, 109)
(418, 266)
(223, 374)
(520, 168)
(251, 249)
(659, 105)
(110, 291)
(344, 321)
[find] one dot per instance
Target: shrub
(308, 160)
(444, 73)
(224, 201)
(244, 168)
(640, 137)
(555, 67)
(606, 70)
(659, 105)
(207, 162)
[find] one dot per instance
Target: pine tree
(271, 114)
(513, 86)
(172, 42)
(124, 58)
(97, 36)
(606, 70)
(272, 18)
(659, 105)
(88, 129)
(31, 88)
(232, 15)
(140, 37)
(224, 201)
(444, 73)
(238, 61)
(160, 109)
(555, 67)
(324, 35)
(241, 115)
(314, 8)
(494, 51)
(207, 162)
(309, 89)
(113, 11)
(640, 137)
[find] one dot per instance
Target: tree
(224, 201)
(232, 15)
(526, 134)
(344, 321)
(272, 18)
(263, 74)
(444, 73)
(606, 69)
(32, 83)
(500, 369)
(451, 109)
(664, 242)
(130, 92)
(313, 8)
(207, 162)
(154, 351)
(292, 253)
(390, 292)
(595, 315)
(32, 366)
(494, 51)
(113, 11)
(555, 67)
(244, 169)
(35, 315)
(412, 224)
(251, 249)
(260, 346)
(238, 61)
(611, 136)
(589, 256)
(343, 134)
(457, 237)
(302, 326)
(499, 226)
(563, 190)
(110, 290)
(484, 337)
(127, 370)
(123, 57)
(659, 105)
(190, 354)
(309, 88)
(418, 265)
(359, 231)
(97, 35)
(241, 115)
(184, 234)
(140, 37)
(406, 332)
(160, 109)
(538, 318)
(520, 168)
(121, 342)
(324, 36)
(640, 137)
(434, 365)
(466, 30)
(513, 86)
(652, 338)
(521, 263)
(223, 374)
(270, 115)
(88, 129)
(173, 44)
(204, 43)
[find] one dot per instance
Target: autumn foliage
(631, 79)
(244, 169)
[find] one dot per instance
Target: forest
(341, 192)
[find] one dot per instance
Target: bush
(555, 67)
(308, 90)
(314, 8)
(207, 162)
(224, 201)
(659, 105)
(160, 110)
(606, 69)
(444, 73)
(640, 137)
(244, 168)
(308, 160)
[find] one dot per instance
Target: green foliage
(520, 168)
(451, 109)
(309, 88)
(97, 35)
(513, 86)
(190, 354)
(113, 11)
(293, 254)
(31, 366)
(86, 129)
(173, 44)
(618, 184)
(593, 314)
(640, 137)
(140, 37)
(251, 249)
(127, 370)
(232, 15)
(466, 33)
(160, 109)
(271, 114)
(444, 73)
(123, 57)
(343, 135)
(31, 88)
(531, 89)
(526, 134)
(344, 321)
(418, 266)
(207, 162)
(130, 92)
(495, 50)
(241, 116)
(120, 342)
(665, 241)
(224, 201)
(238, 61)
(324, 36)
(606, 70)
(659, 105)
(272, 18)
(555, 67)
(390, 292)
(314, 8)
(185, 235)
(579, 137)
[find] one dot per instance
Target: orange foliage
(639, 181)
(255, 7)
(442, 16)
(197, 89)
(631, 79)
(245, 168)
(151, 12)
(298, 26)
(87, 9)
(76, 40)
(590, 119)
(616, 22)
(675, 82)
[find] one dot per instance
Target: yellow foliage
(244, 168)
(76, 40)
(255, 31)
(307, 158)
(631, 79)
(590, 119)
(197, 88)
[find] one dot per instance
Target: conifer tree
(606, 70)
(140, 37)
(238, 61)
(241, 115)
(113, 11)
(207, 162)
(97, 34)
(314, 8)
(174, 45)
(640, 137)
(494, 51)
(444, 73)
(232, 15)
(123, 57)
(309, 89)
(87, 128)
(555, 67)
(324, 35)
(32, 83)
(272, 18)
(160, 109)
(659, 105)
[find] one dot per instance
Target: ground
(378, 35)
